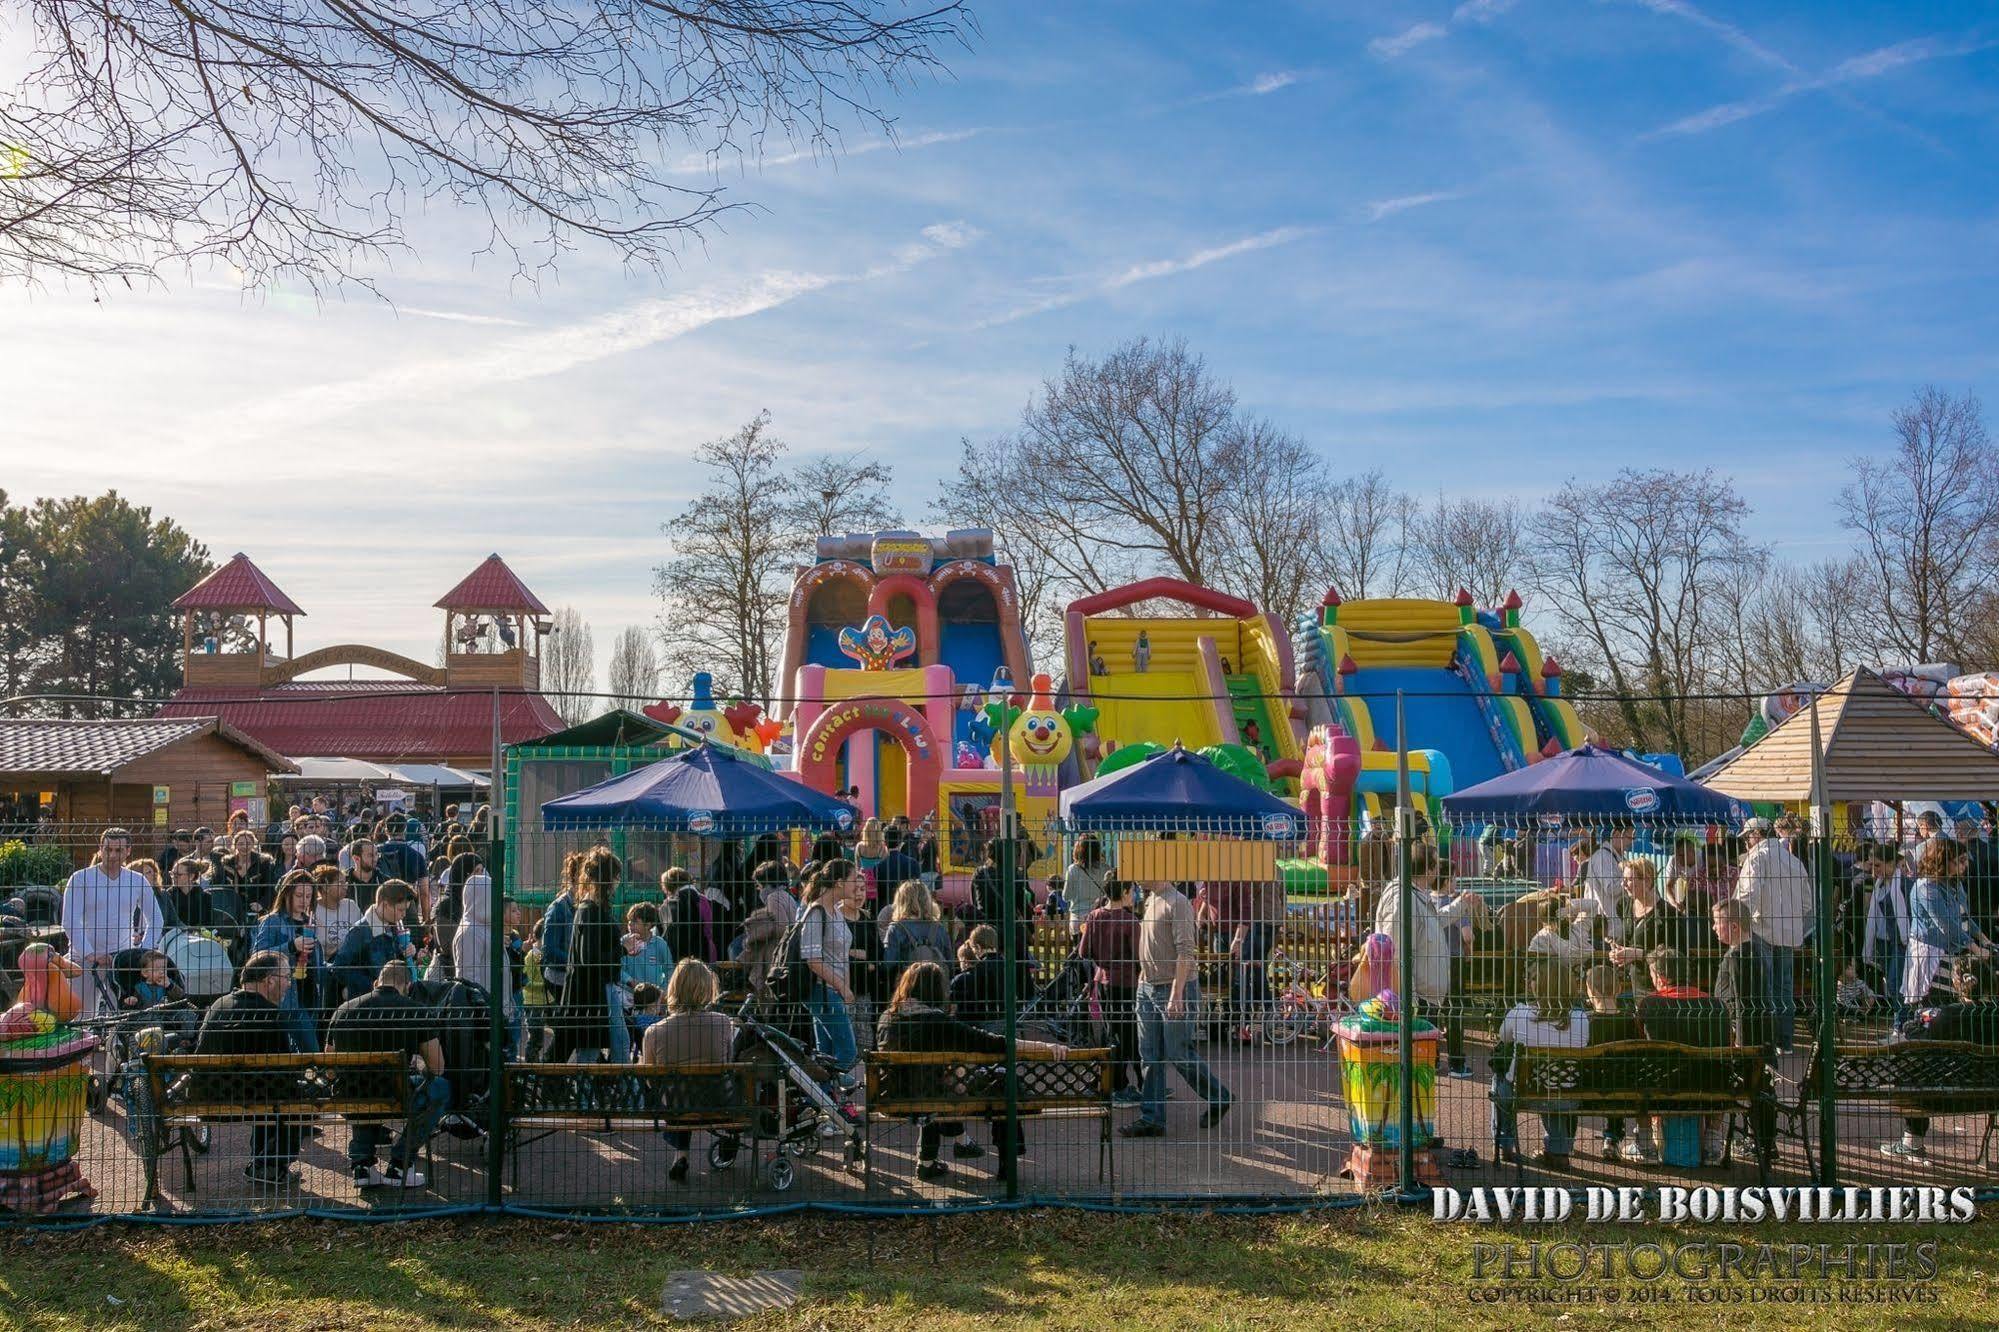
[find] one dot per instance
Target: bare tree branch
(290, 142)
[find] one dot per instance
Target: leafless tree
(290, 141)
(1367, 537)
(1635, 570)
(1133, 454)
(634, 668)
(832, 495)
(1271, 546)
(724, 588)
(1049, 568)
(569, 667)
(1479, 545)
(1927, 519)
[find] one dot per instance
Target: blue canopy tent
(1589, 781)
(709, 791)
(1178, 791)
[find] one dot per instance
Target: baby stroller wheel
(1284, 1026)
(800, 1148)
(722, 1153)
(779, 1174)
(200, 1139)
(97, 1092)
(857, 1155)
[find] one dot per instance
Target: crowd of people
(1711, 957)
(340, 930)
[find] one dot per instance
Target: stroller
(464, 1030)
(122, 1016)
(794, 1110)
(1065, 1009)
(202, 961)
(130, 1034)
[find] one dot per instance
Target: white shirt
(1778, 889)
(1524, 1027)
(98, 910)
(333, 923)
(1601, 884)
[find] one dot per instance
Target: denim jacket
(1939, 916)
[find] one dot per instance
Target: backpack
(789, 979)
(926, 951)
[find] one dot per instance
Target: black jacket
(594, 958)
(243, 1022)
(1743, 987)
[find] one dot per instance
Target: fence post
(1010, 950)
(1827, 979)
(1405, 824)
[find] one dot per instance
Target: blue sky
(1484, 247)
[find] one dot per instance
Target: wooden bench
(545, 1099)
(183, 1092)
(1632, 1078)
(919, 1086)
(1925, 1079)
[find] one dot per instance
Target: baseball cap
(1758, 825)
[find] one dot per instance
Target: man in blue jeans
(1168, 997)
(387, 1021)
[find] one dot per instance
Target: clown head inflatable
(702, 715)
(1040, 735)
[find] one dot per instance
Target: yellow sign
(163, 795)
(910, 555)
(159, 818)
(1149, 859)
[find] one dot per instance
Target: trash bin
(44, 1083)
(1371, 1083)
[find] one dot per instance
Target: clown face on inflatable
(702, 715)
(1040, 735)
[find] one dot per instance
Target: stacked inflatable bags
(1972, 701)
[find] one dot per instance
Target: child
(646, 1000)
(155, 984)
(647, 958)
(1852, 997)
(155, 990)
(536, 994)
(1607, 1025)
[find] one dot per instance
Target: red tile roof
(372, 719)
(237, 585)
(101, 748)
(491, 587)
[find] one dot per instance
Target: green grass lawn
(1382, 1268)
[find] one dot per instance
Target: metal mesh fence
(1196, 1010)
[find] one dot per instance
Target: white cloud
(1854, 69)
(954, 235)
(1263, 84)
(1378, 209)
(556, 350)
(1417, 34)
(1388, 48)
(830, 150)
(1151, 270)
(1727, 32)
(1480, 11)
(459, 317)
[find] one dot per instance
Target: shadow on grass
(1392, 1267)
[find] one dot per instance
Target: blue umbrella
(1592, 781)
(1179, 791)
(710, 791)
